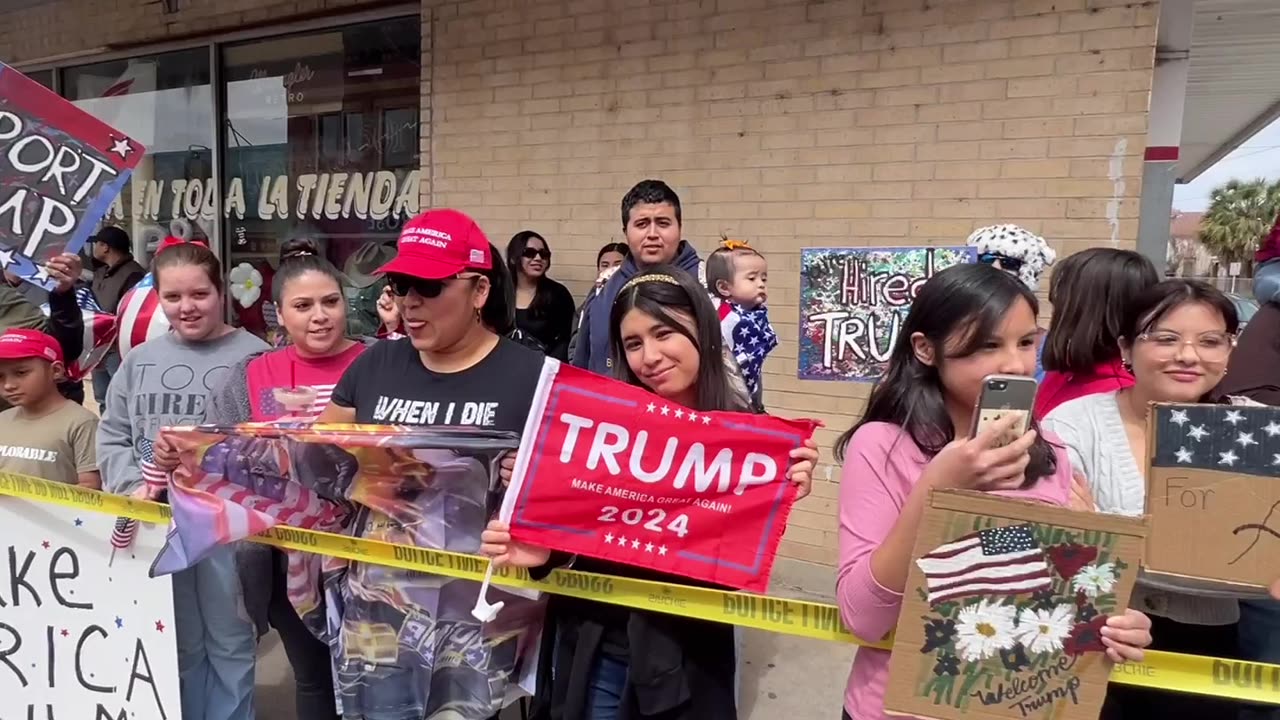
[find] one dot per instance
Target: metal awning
(1233, 84)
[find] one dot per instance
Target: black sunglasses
(532, 253)
(1006, 263)
(401, 284)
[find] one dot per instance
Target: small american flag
(996, 561)
(123, 533)
(152, 475)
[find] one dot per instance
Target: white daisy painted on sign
(1042, 631)
(984, 629)
(1095, 580)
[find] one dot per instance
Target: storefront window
(164, 102)
(44, 77)
(321, 138)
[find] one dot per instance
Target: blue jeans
(1266, 282)
(604, 692)
(102, 378)
(216, 641)
(1259, 638)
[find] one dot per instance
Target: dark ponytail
(298, 257)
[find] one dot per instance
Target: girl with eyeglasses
(544, 307)
(1176, 339)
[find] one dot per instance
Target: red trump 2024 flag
(614, 472)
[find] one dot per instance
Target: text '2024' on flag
(61, 170)
(611, 471)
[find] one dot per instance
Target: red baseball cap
(439, 244)
(17, 344)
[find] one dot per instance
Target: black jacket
(1254, 369)
(111, 283)
(677, 668)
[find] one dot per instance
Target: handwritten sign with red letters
(611, 471)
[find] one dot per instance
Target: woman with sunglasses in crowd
(454, 367)
(1175, 340)
(544, 307)
(610, 662)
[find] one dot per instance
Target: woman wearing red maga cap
(451, 368)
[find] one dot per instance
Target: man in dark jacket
(651, 221)
(116, 274)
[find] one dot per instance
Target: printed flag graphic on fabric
(996, 561)
(431, 488)
(99, 334)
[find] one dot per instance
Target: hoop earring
(1127, 365)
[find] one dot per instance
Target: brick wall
(789, 123)
(794, 124)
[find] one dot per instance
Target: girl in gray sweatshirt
(164, 382)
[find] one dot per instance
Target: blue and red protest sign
(614, 472)
(60, 169)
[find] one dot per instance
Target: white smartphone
(1001, 396)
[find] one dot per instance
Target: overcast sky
(1258, 157)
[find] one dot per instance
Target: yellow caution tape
(1234, 679)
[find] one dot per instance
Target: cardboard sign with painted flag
(60, 169)
(612, 471)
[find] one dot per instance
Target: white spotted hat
(1016, 243)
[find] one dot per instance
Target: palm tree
(1240, 215)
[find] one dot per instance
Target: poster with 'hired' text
(853, 302)
(83, 633)
(612, 471)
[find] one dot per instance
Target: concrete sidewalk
(782, 677)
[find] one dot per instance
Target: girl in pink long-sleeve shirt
(968, 322)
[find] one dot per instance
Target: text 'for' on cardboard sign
(1212, 493)
(1003, 608)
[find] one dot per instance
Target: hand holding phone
(977, 464)
(1003, 396)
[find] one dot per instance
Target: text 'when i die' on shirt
(389, 385)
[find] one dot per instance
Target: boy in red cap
(43, 435)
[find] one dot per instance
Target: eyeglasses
(1005, 263)
(401, 284)
(1210, 347)
(532, 253)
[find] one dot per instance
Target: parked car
(1245, 307)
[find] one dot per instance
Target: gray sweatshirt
(163, 382)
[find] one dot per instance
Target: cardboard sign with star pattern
(60, 169)
(612, 471)
(1213, 493)
(1003, 608)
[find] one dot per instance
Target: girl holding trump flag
(610, 662)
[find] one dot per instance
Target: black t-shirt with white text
(389, 385)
